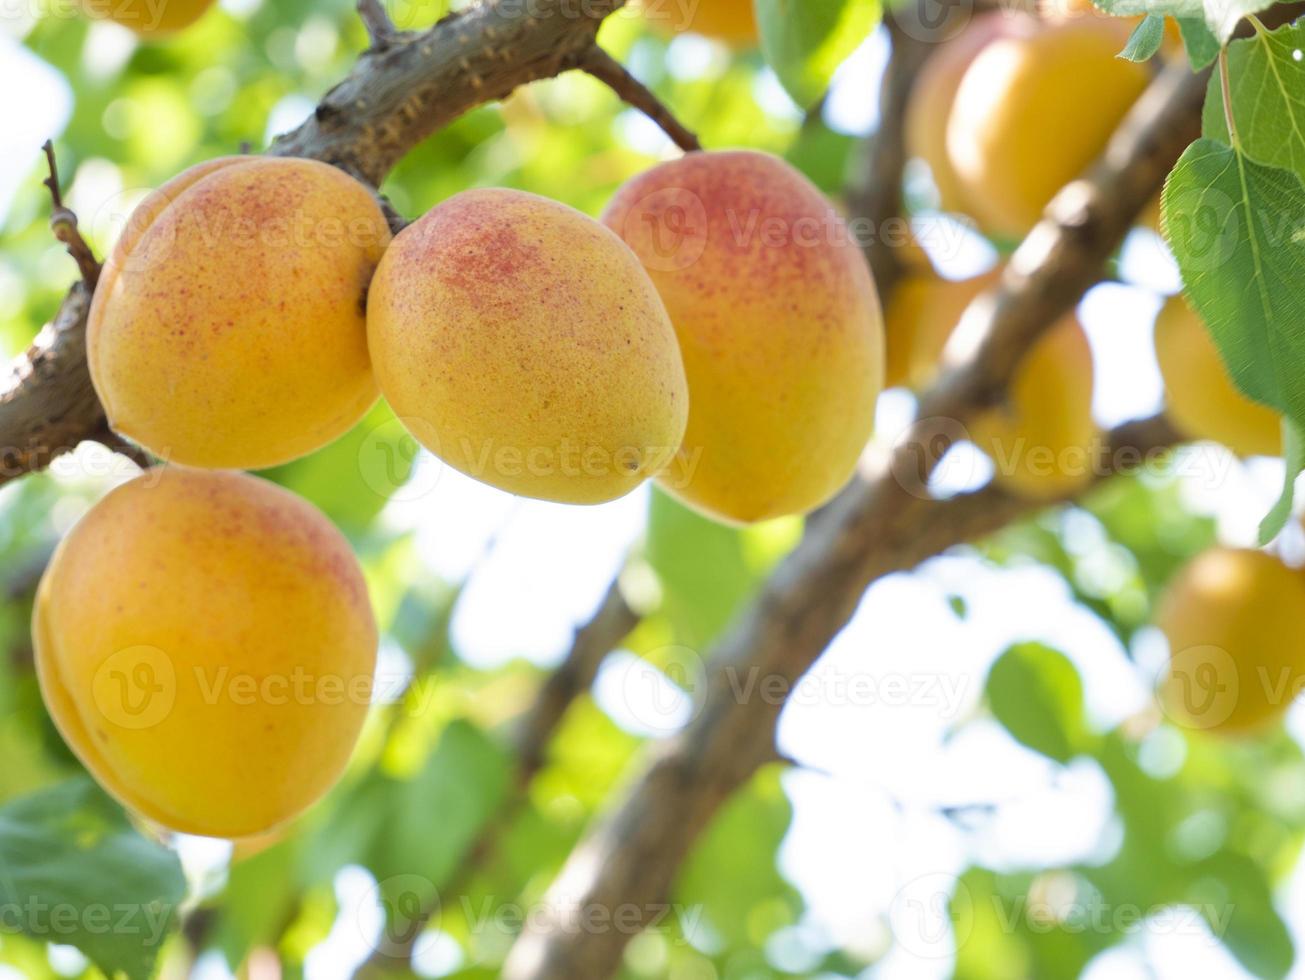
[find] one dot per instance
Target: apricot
(1033, 112)
(778, 319)
(922, 312)
(205, 644)
(731, 21)
(522, 343)
(1235, 622)
(148, 18)
(934, 93)
(1199, 396)
(1043, 439)
(228, 329)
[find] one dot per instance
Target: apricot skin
(1032, 113)
(922, 313)
(201, 639)
(934, 93)
(148, 18)
(1235, 622)
(779, 323)
(227, 329)
(1199, 396)
(522, 342)
(1042, 440)
(731, 21)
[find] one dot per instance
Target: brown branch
(63, 222)
(879, 525)
(879, 196)
(393, 99)
(617, 77)
(380, 28)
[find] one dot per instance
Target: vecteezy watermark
(58, 921)
(138, 687)
(388, 461)
(933, 915)
(921, 459)
(1202, 687)
(409, 905)
(671, 229)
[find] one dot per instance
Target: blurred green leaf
(1036, 693)
(73, 870)
(806, 40)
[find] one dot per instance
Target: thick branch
(418, 83)
(877, 526)
(617, 77)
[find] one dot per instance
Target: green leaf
(1035, 692)
(1293, 453)
(1145, 40)
(1202, 46)
(732, 871)
(1268, 98)
(74, 871)
(353, 478)
(806, 40)
(1237, 902)
(702, 567)
(420, 827)
(1220, 16)
(1236, 228)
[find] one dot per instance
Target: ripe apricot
(227, 329)
(1235, 622)
(934, 93)
(922, 312)
(1199, 396)
(1033, 112)
(779, 322)
(1042, 440)
(520, 341)
(205, 644)
(148, 18)
(731, 21)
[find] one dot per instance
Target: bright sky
(867, 847)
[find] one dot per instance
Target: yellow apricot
(779, 322)
(934, 93)
(731, 21)
(1199, 396)
(922, 312)
(1033, 112)
(148, 18)
(227, 329)
(1235, 622)
(523, 344)
(205, 644)
(1043, 439)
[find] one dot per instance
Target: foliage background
(976, 783)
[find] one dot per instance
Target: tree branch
(882, 523)
(617, 77)
(396, 95)
(380, 28)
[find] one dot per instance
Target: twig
(380, 28)
(617, 77)
(63, 222)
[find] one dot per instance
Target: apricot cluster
(204, 639)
